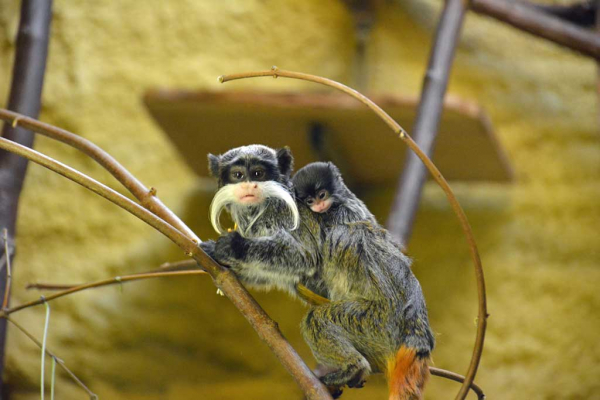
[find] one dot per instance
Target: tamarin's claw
(335, 391)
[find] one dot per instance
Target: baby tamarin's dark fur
(377, 319)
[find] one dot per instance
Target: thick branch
(146, 196)
(436, 174)
(225, 279)
(429, 114)
(25, 97)
(581, 14)
(539, 23)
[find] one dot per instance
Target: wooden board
(214, 122)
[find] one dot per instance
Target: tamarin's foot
(353, 376)
(357, 382)
(335, 391)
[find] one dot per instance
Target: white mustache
(270, 189)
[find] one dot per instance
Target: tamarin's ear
(285, 161)
(213, 165)
(335, 170)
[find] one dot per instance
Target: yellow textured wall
(175, 338)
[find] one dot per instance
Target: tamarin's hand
(209, 248)
(231, 247)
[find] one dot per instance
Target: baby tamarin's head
(320, 186)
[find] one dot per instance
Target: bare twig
(70, 289)
(7, 255)
(539, 23)
(429, 114)
(147, 197)
(437, 175)
(442, 373)
(60, 362)
(166, 269)
(178, 265)
(225, 280)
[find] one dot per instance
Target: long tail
(407, 374)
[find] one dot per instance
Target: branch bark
(539, 23)
(25, 97)
(437, 176)
(429, 114)
(225, 280)
(146, 196)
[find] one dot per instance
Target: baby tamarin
(377, 319)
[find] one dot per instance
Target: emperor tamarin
(275, 245)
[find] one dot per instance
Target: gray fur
(270, 255)
(376, 302)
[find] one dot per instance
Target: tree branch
(581, 14)
(436, 174)
(539, 23)
(7, 256)
(429, 114)
(442, 373)
(25, 97)
(225, 280)
(70, 289)
(60, 362)
(147, 197)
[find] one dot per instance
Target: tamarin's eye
(258, 174)
(323, 194)
(310, 201)
(237, 175)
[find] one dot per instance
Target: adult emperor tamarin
(276, 245)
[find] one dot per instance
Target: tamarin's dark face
(317, 186)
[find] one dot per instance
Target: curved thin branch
(442, 373)
(225, 280)
(436, 174)
(69, 289)
(147, 197)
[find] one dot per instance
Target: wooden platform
(213, 122)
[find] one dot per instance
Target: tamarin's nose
(249, 185)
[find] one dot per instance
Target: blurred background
(140, 80)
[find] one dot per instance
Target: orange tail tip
(407, 375)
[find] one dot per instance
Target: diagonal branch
(429, 115)
(225, 280)
(7, 256)
(60, 362)
(436, 174)
(147, 197)
(527, 18)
